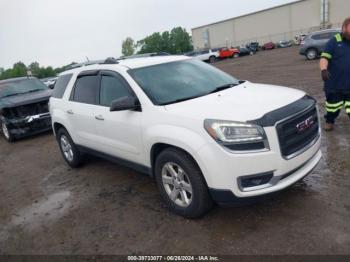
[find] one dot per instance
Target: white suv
(208, 55)
(205, 136)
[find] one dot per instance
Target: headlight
(237, 136)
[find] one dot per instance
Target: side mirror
(125, 103)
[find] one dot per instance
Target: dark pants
(336, 100)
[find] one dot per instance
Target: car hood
(245, 102)
(29, 98)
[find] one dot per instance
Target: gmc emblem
(306, 124)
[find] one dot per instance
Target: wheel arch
(57, 126)
(157, 148)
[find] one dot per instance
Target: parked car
(207, 55)
(194, 128)
(216, 49)
(228, 53)
(298, 39)
(284, 44)
(269, 46)
(190, 54)
(254, 46)
(314, 43)
(49, 82)
(245, 51)
(24, 107)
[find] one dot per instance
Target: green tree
(47, 72)
(34, 68)
(6, 74)
(176, 41)
(152, 43)
(181, 40)
(19, 69)
(128, 47)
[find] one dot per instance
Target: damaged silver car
(24, 107)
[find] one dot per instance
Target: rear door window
(86, 89)
(323, 36)
(61, 85)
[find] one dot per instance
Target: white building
(274, 24)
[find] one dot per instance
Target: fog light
(254, 180)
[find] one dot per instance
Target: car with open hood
(24, 107)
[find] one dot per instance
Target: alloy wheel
(311, 55)
(177, 184)
(67, 148)
(5, 131)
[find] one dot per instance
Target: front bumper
(29, 125)
(226, 197)
(223, 174)
(302, 51)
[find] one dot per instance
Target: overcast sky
(57, 32)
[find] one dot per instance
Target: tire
(69, 150)
(6, 133)
(236, 55)
(212, 59)
(311, 54)
(181, 184)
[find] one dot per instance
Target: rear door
(224, 53)
(79, 111)
(322, 39)
(119, 132)
(203, 55)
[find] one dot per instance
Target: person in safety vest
(335, 71)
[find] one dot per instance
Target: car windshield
(182, 80)
(20, 86)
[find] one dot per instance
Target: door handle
(99, 117)
(70, 111)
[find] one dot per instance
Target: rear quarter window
(323, 36)
(61, 85)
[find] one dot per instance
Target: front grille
(31, 109)
(294, 134)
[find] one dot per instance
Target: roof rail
(109, 60)
(84, 64)
(144, 55)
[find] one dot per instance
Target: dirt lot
(103, 208)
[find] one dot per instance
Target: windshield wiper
(31, 91)
(15, 94)
(220, 88)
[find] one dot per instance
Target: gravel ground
(103, 208)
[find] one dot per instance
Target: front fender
(186, 139)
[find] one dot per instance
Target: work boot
(328, 127)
